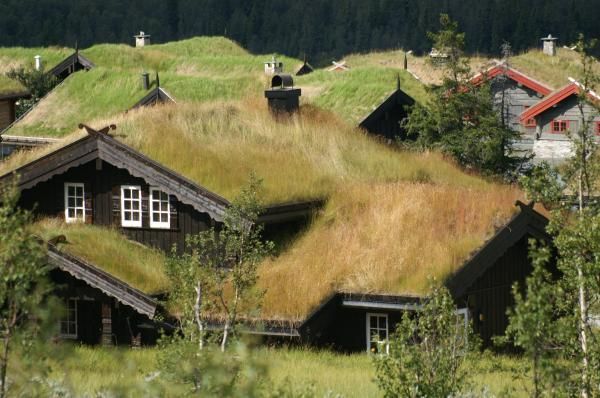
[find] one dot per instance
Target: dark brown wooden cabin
(99, 180)
(386, 120)
(99, 308)
(73, 63)
(481, 289)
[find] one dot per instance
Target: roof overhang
(15, 95)
(103, 281)
(573, 88)
(512, 74)
(102, 146)
(526, 222)
(156, 95)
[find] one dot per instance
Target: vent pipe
(145, 80)
(38, 62)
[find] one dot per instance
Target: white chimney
(549, 45)
(142, 39)
(38, 62)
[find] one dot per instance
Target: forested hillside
(320, 28)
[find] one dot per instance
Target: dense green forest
(320, 28)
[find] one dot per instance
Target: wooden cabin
(387, 119)
(557, 115)
(102, 182)
(73, 63)
(513, 93)
(355, 321)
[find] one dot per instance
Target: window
(131, 206)
(68, 324)
(377, 333)
(159, 209)
(531, 121)
(74, 202)
(560, 126)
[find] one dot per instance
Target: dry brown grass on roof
(384, 238)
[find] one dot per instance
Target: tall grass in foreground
(133, 263)
(87, 371)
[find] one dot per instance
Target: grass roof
(10, 86)
(109, 250)
(393, 218)
(201, 69)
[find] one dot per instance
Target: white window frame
(387, 330)
(74, 185)
(69, 321)
(131, 223)
(151, 211)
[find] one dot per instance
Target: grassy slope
(87, 371)
(195, 70)
(135, 264)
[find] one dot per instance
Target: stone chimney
(38, 62)
(142, 39)
(549, 45)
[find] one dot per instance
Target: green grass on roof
(10, 86)
(553, 71)
(107, 249)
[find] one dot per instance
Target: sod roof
(106, 248)
(9, 86)
(196, 70)
(393, 219)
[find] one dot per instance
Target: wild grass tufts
(108, 249)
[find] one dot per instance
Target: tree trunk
(4, 364)
(583, 306)
(197, 307)
(225, 335)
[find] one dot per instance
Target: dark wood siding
(102, 201)
(490, 296)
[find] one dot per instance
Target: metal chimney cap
(549, 38)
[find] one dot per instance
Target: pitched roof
(101, 146)
(513, 74)
(74, 59)
(398, 97)
(573, 88)
(103, 281)
(156, 95)
(527, 221)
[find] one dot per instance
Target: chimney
(283, 98)
(145, 80)
(38, 62)
(549, 45)
(142, 39)
(272, 67)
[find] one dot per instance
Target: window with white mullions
(74, 202)
(377, 333)
(131, 206)
(68, 324)
(159, 209)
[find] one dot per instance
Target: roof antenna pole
(398, 81)
(405, 61)
(157, 80)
